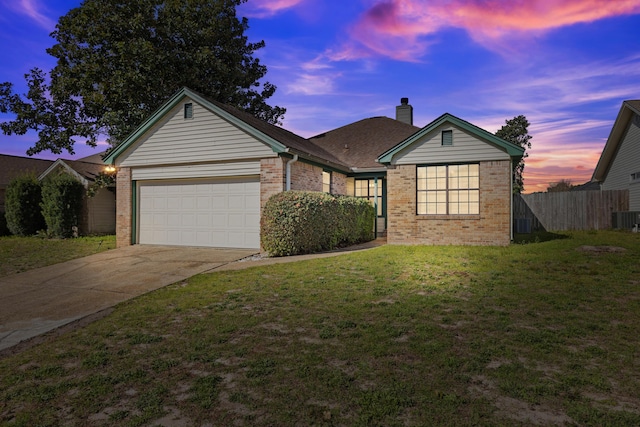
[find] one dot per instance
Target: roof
(511, 149)
(86, 172)
(12, 166)
(359, 144)
(626, 113)
(277, 138)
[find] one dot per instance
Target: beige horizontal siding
(205, 137)
(209, 170)
(626, 162)
(465, 148)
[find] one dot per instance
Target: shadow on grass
(537, 237)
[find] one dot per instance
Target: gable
(206, 137)
(626, 159)
(469, 144)
(465, 148)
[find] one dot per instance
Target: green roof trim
(511, 149)
(276, 146)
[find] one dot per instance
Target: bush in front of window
(299, 222)
(62, 204)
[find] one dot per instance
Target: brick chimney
(404, 111)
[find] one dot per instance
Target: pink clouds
(266, 8)
(34, 10)
(400, 28)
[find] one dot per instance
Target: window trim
(447, 191)
(329, 174)
(188, 110)
(450, 138)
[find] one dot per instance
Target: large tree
(119, 60)
(516, 131)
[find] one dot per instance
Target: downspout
(512, 196)
(288, 171)
(375, 206)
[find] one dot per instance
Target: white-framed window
(188, 110)
(326, 182)
(447, 137)
(366, 188)
(448, 189)
(635, 177)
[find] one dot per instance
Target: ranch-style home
(198, 173)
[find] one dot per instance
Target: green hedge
(22, 205)
(61, 204)
(299, 222)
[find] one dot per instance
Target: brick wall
(491, 227)
(272, 179)
(339, 183)
(123, 207)
(306, 177)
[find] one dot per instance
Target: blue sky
(565, 64)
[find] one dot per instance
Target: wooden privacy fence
(570, 210)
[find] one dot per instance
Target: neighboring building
(198, 173)
(619, 164)
(99, 211)
(13, 166)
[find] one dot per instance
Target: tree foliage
(562, 185)
(118, 61)
(516, 131)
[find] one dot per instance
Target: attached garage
(221, 213)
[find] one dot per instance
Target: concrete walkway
(79, 291)
(43, 299)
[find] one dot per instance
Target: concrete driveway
(46, 298)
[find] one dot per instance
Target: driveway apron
(40, 300)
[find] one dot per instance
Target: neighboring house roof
(511, 149)
(587, 186)
(85, 172)
(627, 111)
(359, 144)
(12, 166)
(94, 158)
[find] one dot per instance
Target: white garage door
(221, 213)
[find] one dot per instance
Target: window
(188, 111)
(447, 137)
(635, 177)
(366, 188)
(448, 190)
(326, 182)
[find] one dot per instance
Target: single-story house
(198, 172)
(99, 211)
(619, 164)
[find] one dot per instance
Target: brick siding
(491, 227)
(123, 207)
(272, 178)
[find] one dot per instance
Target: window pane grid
(448, 190)
(366, 189)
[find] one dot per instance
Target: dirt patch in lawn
(601, 249)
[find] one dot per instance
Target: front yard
(18, 254)
(534, 334)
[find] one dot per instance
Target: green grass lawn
(543, 333)
(18, 254)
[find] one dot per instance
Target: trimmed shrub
(299, 222)
(61, 204)
(22, 205)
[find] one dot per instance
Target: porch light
(110, 169)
